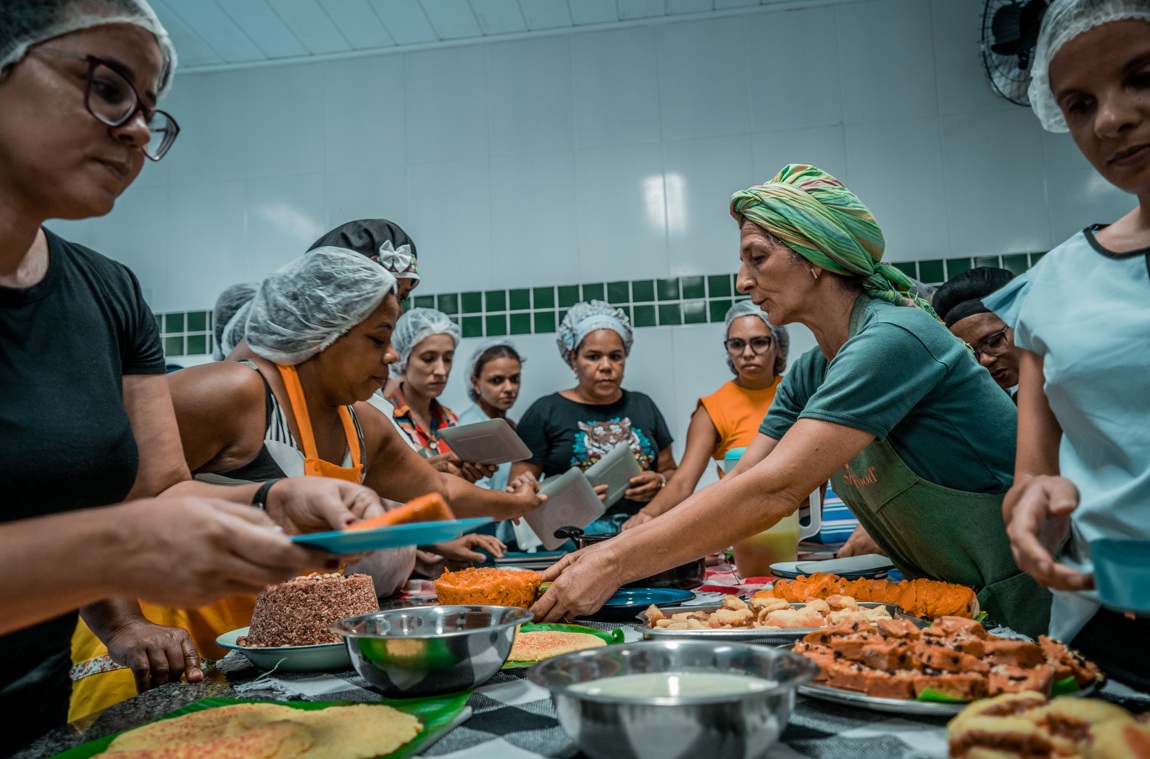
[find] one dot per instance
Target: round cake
(488, 585)
(299, 611)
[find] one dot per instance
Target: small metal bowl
(429, 650)
(642, 727)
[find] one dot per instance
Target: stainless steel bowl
(430, 650)
(616, 727)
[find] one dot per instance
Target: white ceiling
(214, 34)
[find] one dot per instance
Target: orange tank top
(737, 413)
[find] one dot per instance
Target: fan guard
(1009, 35)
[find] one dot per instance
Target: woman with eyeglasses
(959, 304)
(85, 416)
(578, 426)
(1081, 318)
(730, 417)
(888, 406)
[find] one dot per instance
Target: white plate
(615, 470)
(492, 441)
(325, 657)
(850, 567)
(571, 502)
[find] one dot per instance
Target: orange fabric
(737, 413)
(313, 465)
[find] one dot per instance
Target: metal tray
(752, 633)
(906, 706)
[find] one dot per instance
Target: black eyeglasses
(993, 345)
(112, 100)
(759, 345)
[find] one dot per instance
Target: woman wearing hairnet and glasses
(730, 417)
(888, 405)
(86, 419)
(1083, 469)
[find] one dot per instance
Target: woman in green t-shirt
(889, 406)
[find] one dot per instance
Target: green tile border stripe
(672, 301)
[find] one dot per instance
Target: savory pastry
(1026, 725)
(954, 657)
(768, 614)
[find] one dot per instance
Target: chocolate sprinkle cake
(299, 611)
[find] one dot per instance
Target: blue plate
(392, 536)
(628, 602)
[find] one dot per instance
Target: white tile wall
(896, 167)
(700, 176)
(560, 159)
(1002, 152)
(801, 88)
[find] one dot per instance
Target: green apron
(932, 531)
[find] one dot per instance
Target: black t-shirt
(562, 433)
(65, 439)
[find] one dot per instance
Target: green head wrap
(814, 215)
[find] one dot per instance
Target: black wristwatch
(260, 499)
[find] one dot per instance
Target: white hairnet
(779, 333)
(308, 304)
(228, 305)
(415, 326)
(1065, 20)
(585, 318)
(496, 347)
(24, 23)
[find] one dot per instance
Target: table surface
(514, 719)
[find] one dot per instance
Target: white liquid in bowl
(683, 685)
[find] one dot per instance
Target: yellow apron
(98, 683)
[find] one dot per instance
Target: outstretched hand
(1039, 524)
(315, 504)
(580, 583)
(184, 551)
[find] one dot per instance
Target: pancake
(536, 646)
(270, 731)
(358, 731)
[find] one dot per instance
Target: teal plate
(392, 536)
(437, 714)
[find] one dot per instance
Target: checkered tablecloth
(511, 718)
(514, 719)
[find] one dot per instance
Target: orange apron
(313, 465)
(98, 683)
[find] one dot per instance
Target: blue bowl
(1122, 573)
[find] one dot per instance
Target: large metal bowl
(430, 650)
(730, 726)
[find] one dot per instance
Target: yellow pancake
(543, 644)
(269, 731)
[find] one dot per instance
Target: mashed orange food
(487, 585)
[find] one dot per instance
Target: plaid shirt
(428, 441)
